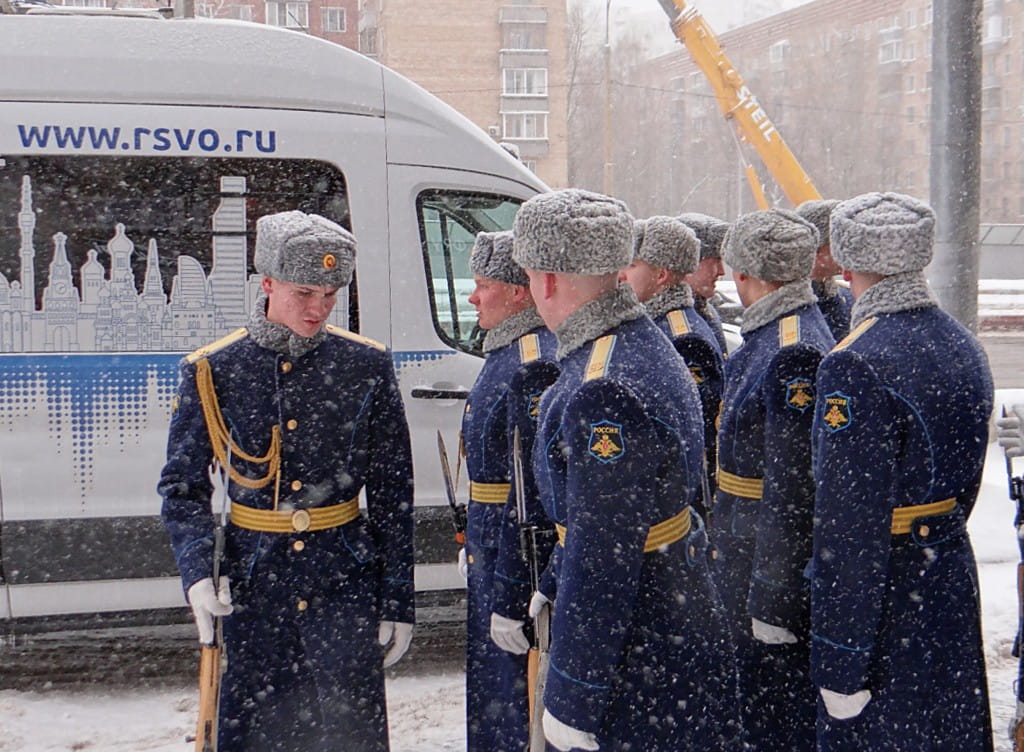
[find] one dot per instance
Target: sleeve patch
(607, 443)
(800, 393)
(838, 413)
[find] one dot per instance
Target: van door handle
(425, 392)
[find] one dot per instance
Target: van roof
(224, 63)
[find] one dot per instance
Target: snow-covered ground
(426, 712)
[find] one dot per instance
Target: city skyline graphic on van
(88, 355)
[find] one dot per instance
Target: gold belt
(294, 520)
(489, 493)
(903, 517)
(748, 488)
(659, 535)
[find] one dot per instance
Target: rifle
(1016, 490)
(540, 654)
(458, 510)
(211, 657)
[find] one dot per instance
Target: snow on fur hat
(492, 258)
(883, 233)
(776, 245)
(817, 212)
(668, 243)
(710, 232)
(573, 232)
(305, 249)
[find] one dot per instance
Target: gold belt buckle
(301, 520)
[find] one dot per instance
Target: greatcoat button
(296, 485)
(292, 424)
(286, 367)
(298, 545)
(302, 605)
(923, 531)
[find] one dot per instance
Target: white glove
(1010, 431)
(399, 634)
(508, 634)
(769, 634)
(566, 737)
(845, 707)
(537, 602)
(463, 565)
(207, 603)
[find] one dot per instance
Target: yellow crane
(741, 107)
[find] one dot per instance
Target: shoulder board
(677, 323)
(337, 331)
(529, 348)
(600, 356)
(850, 338)
(220, 344)
(789, 331)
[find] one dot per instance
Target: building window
(928, 15)
(289, 15)
(525, 38)
(526, 81)
(890, 51)
(911, 18)
(531, 165)
(779, 51)
(910, 51)
(1007, 27)
(368, 41)
(332, 19)
(910, 115)
(85, 3)
(240, 12)
(908, 84)
(525, 125)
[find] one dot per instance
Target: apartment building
(501, 63)
(847, 83)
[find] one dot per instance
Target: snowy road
(426, 711)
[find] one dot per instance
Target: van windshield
(449, 222)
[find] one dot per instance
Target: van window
(449, 222)
(128, 254)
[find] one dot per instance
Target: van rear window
(112, 254)
(449, 222)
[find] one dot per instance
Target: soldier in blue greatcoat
(519, 366)
(299, 417)
(640, 653)
(667, 251)
(765, 499)
(710, 232)
(834, 299)
(900, 437)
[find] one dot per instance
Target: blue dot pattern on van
(413, 357)
(88, 403)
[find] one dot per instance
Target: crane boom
(739, 105)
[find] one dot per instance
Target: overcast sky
(648, 18)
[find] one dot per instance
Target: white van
(136, 154)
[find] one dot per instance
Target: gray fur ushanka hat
(492, 259)
(776, 245)
(668, 243)
(573, 232)
(883, 233)
(710, 232)
(304, 249)
(817, 212)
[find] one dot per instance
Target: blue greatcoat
(835, 305)
(901, 422)
(640, 653)
(696, 343)
(304, 666)
(707, 311)
(506, 395)
(763, 519)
